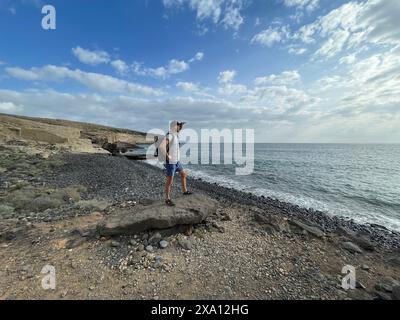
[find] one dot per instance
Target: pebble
(396, 293)
(351, 247)
(185, 244)
(115, 244)
(163, 244)
(155, 238)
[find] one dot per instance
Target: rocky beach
(100, 221)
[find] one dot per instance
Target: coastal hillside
(67, 135)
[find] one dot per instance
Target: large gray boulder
(189, 210)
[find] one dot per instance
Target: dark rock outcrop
(188, 210)
(315, 231)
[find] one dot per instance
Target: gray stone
(46, 202)
(145, 236)
(271, 223)
(396, 293)
(155, 238)
(146, 202)
(353, 248)
(134, 259)
(75, 242)
(188, 210)
(365, 267)
(228, 290)
(163, 244)
(360, 285)
(140, 247)
(386, 284)
(394, 261)
(382, 295)
(149, 248)
(310, 229)
(115, 244)
(185, 244)
(359, 295)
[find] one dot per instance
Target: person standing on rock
(170, 150)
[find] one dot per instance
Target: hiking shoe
(187, 193)
(169, 203)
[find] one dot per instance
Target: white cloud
(334, 44)
(224, 12)
(91, 57)
(380, 20)
(197, 57)
(309, 5)
(329, 82)
(349, 59)
(120, 66)
(8, 107)
(367, 88)
(285, 78)
(297, 51)
(279, 99)
(233, 18)
(232, 89)
(194, 88)
(271, 35)
(227, 87)
(177, 66)
(375, 81)
(173, 67)
(355, 25)
(95, 81)
(188, 86)
(352, 25)
(227, 76)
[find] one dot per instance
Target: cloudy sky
(294, 70)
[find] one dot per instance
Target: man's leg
(183, 180)
(168, 186)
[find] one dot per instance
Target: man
(170, 149)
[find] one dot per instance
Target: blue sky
(294, 70)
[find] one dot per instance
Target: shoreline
(325, 221)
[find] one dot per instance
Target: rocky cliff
(71, 135)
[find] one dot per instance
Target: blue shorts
(172, 168)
